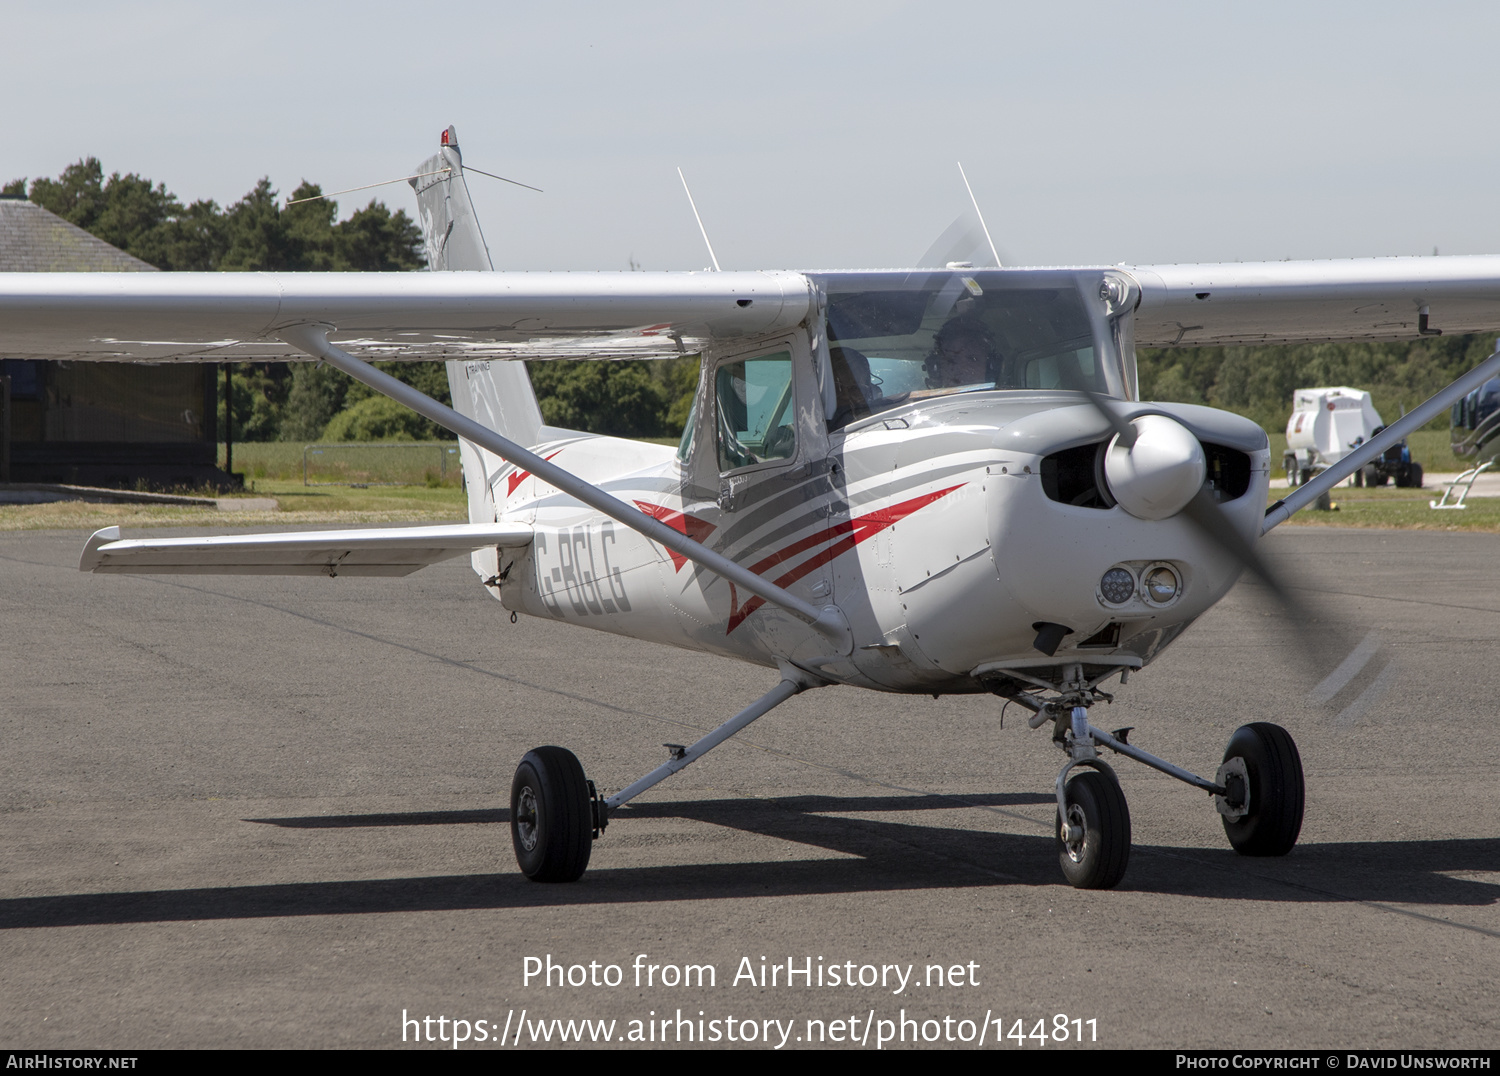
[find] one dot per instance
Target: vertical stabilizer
(495, 393)
(449, 223)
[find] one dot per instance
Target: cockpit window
(757, 422)
(899, 337)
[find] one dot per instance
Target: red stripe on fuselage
(695, 528)
(518, 476)
(839, 540)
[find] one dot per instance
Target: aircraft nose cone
(1157, 476)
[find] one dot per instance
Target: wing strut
(1413, 420)
(793, 680)
(829, 620)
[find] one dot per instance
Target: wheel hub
(1235, 779)
(1075, 845)
(526, 818)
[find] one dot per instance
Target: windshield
(899, 337)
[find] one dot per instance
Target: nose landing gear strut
(1259, 789)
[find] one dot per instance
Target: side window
(757, 420)
(685, 446)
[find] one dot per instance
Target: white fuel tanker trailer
(1327, 424)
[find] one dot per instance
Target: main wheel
(1097, 860)
(1277, 792)
(551, 816)
(1416, 476)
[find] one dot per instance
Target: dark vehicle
(1393, 465)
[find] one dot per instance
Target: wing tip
(92, 558)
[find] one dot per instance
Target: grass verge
(1398, 509)
(298, 504)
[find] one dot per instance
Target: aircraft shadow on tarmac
(874, 855)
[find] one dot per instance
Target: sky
(814, 133)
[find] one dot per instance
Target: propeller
(1171, 476)
(962, 243)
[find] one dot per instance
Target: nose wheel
(1093, 842)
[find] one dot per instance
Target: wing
(235, 317)
(1294, 302)
(386, 551)
(232, 317)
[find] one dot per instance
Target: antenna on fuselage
(711, 256)
(977, 213)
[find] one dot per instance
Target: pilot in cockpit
(855, 391)
(963, 356)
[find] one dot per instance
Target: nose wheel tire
(551, 816)
(1276, 791)
(1097, 859)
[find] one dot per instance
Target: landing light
(1117, 586)
(1160, 584)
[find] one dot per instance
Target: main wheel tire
(1276, 787)
(1359, 478)
(551, 816)
(1099, 859)
(1416, 476)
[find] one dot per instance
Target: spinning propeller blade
(962, 242)
(1205, 514)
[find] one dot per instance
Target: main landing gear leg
(556, 814)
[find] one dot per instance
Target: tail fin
(449, 224)
(497, 394)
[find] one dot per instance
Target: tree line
(1258, 382)
(302, 402)
(306, 402)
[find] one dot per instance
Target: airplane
(1474, 423)
(936, 480)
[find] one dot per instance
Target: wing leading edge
(389, 551)
(237, 317)
(1312, 301)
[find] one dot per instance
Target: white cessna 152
(933, 480)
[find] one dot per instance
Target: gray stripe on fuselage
(865, 498)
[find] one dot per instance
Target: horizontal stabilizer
(383, 551)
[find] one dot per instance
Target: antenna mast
(975, 202)
(711, 256)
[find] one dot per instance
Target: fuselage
(925, 456)
(946, 531)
